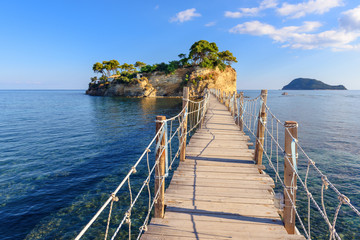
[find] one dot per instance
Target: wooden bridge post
(160, 171)
(184, 129)
(231, 96)
(241, 111)
(259, 148)
(289, 176)
(229, 101)
(234, 107)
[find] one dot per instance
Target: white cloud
(185, 15)
(210, 24)
(300, 36)
(350, 20)
(230, 14)
(246, 12)
(309, 7)
(268, 4)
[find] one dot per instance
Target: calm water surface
(62, 152)
(328, 131)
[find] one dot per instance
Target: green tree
(227, 57)
(111, 66)
(139, 65)
(201, 50)
(114, 65)
(98, 68)
(128, 67)
(184, 61)
(107, 67)
(182, 55)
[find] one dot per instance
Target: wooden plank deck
(218, 192)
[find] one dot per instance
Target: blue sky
(53, 44)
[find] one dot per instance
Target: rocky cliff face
(161, 84)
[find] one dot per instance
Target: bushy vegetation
(207, 55)
(125, 73)
(202, 53)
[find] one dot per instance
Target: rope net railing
(313, 185)
(121, 220)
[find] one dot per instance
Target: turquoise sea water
(63, 152)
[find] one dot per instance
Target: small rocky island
(311, 84)
(204, 67)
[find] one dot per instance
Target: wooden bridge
(218, 192)
(220, 189)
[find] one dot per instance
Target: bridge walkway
(218, 192)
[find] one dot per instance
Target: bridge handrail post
(185, 120)
(261, 129)
(234, 107)
(160, 170)
(241, 111)
(290, 179)
(229, 101)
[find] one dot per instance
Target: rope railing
(255, 116)
(167, 144)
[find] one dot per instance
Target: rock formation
(160, 84)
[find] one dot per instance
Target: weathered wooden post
(291, 127)
(259, 148)
(229, 101)
(184, 128)
(241, 111)
(234, 106)
(160, 171)
(221, 96)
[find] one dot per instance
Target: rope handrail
(248, 111)
(166, 131)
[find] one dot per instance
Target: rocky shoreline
(159, 84)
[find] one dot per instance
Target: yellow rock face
(158, 84)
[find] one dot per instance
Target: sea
(63, 152)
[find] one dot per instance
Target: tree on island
(106, 67)
(98, 68)
(184, 61)
(202, 53)
(128, 67)
(207, 55)
(139, 65)
(111, 65)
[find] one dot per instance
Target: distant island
(310, 84)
